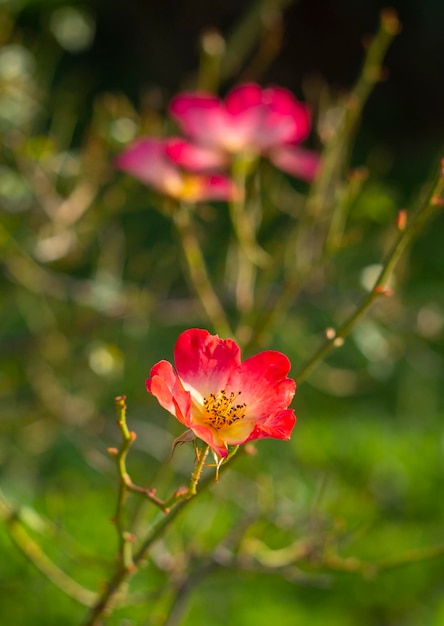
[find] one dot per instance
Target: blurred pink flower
(221, 400)
(298, 162)
(194, 157)
(152, 161)
(251, 120)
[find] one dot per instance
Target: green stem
(246, 33)
(304, 249)
(249, 254)
(353, 565)
(243, 222)
(32, 551)
(338, 139)
(179, 501)
(212, 50)
(197, 271)
(433, 202)
(125, 542)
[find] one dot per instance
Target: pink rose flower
(222, 400)
(151, 161)
(251, 120)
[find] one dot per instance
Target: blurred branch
(307, 245)
(212, 50)
(433, 202)
(245, 222)
(339, 135)
(243, 38)
(172, 507)
(32, 551)
(316, 552)
(197, 270)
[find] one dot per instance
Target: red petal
(193, 157)
(199, 116)
(278, 426)
(185, 102)
(216, 187)
(204, 362)
(209, 122)
(210, 437)
(285, 119)
(243, 98)
(166, 387)
(263, 383)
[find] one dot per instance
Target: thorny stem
(171, 507)
(125, 485)
(433, 201)
(185, 494)
(197, 270)
(125, 543)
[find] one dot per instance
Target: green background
(363, 472)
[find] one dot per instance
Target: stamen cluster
(220, 410)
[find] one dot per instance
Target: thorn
(250, 449)
(401, 220)
(213, 43)
(437, 201)
(358, 175)
(390, 21)
(113, 451)
(338, 342)
(330, 333)
(383, 291)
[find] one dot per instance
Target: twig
(172, 507)
(250, 255)
(244, 36)
(302, 254)
(197, 270)
(32, 551)
(433, 202)
(339, 139)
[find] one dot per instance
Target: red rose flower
(223, 401)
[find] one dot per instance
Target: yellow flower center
(220, 410)
(191, 188)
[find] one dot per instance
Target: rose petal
(285, 120)
(193, 157)
(145, 159)
(208, 365)
(263, 383)
(243, 98)
(278, 426)
(207, 121)
(167, 388)
(204, 361)
(298, 162)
